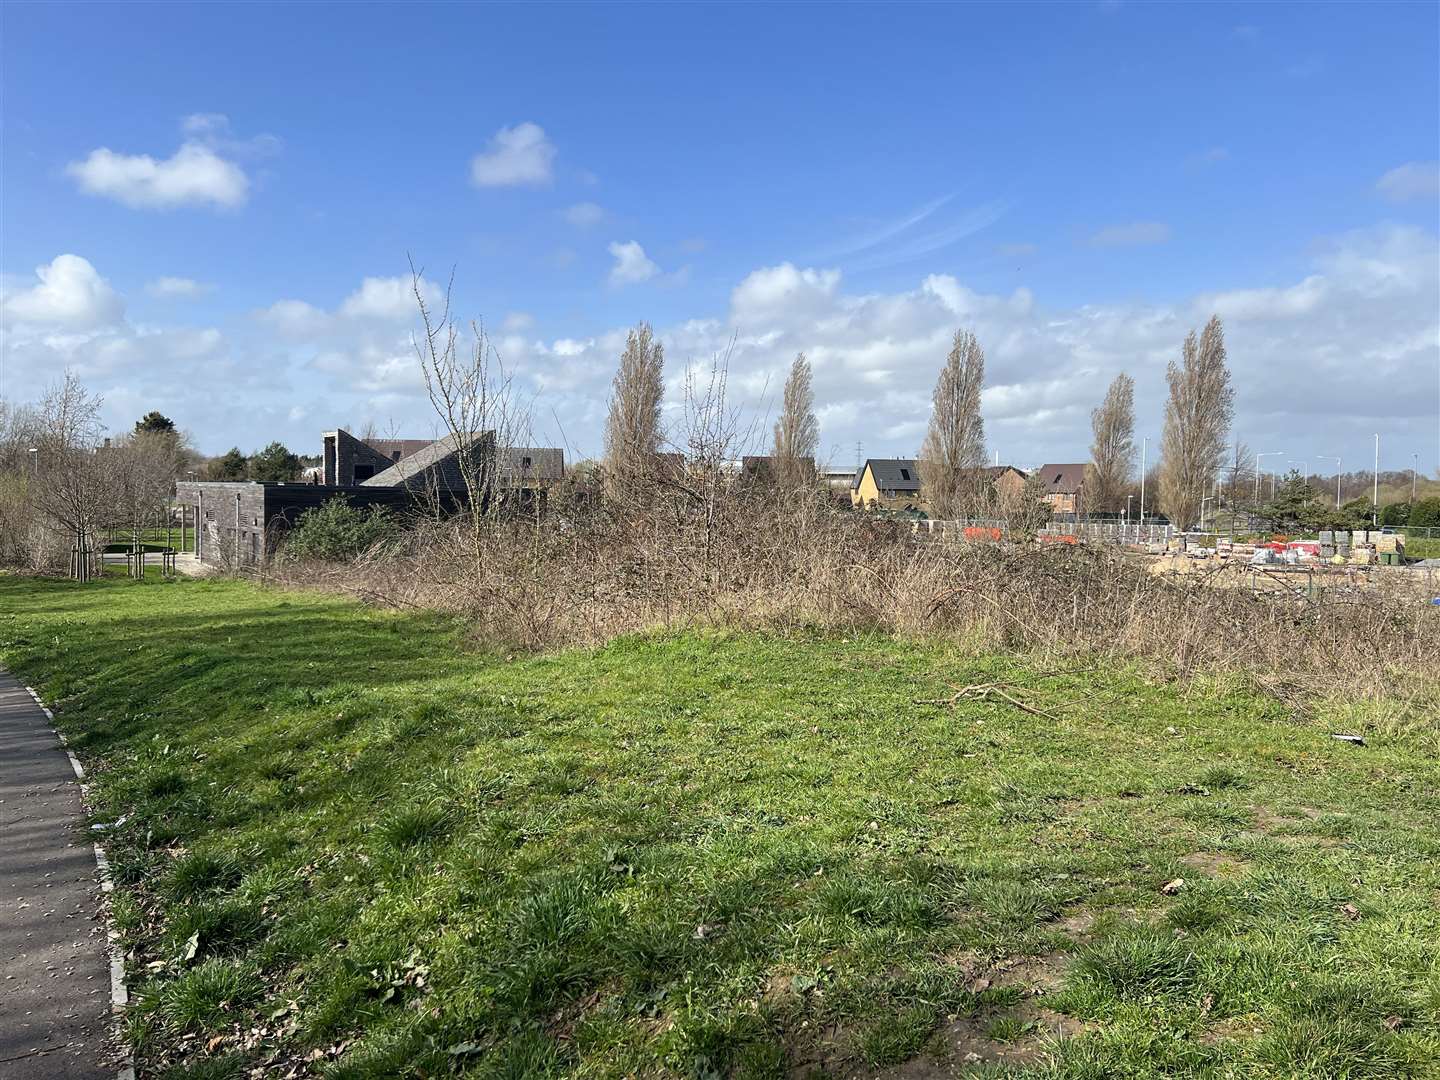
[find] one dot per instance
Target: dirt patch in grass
(1022, 1035)
(1077, 924)
(1034, 974)
(1213, 863)
(1270, 823)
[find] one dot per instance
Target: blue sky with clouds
(208, 208)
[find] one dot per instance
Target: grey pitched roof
(1063, 479)
(438, 459)
(892, 474)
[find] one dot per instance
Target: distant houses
(894, 484)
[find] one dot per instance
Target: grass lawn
(352, 846)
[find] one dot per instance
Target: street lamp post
(1144, 446)
(1203, 501)
(1335, 459)
(1263, 453)
(1375, 499)
(1414, 468)
(34, 453)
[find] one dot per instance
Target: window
(364, 472)
(904, 474)
(525, 463)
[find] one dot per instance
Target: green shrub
(1425, 514)
(339, 532)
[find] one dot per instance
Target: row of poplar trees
(954, 481)
(1198, 415)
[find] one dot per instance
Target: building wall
(230, 521)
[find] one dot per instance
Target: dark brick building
(239, 523)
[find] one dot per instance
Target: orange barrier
(1059, 539)
(979, 532)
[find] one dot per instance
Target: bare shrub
(597, 570)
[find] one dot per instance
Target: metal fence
(1093, 531)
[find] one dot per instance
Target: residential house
(1064, 487)
(887, 484)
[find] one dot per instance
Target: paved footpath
(55, 1013)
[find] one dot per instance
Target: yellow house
(887, 484)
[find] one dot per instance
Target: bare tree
(73, 491)
(953, 481)
(473, 395)
(632, 429)
(797, 434)
(1112, 454)
(1197, 423)
(1239, 474)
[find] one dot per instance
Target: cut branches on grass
(987, 692)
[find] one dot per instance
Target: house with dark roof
(894, 483)
(1064, 487)
(887, 484)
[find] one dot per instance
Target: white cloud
(70, 294)
(774, 288)
(214, 130)
(571, 347)
(516, 321)
(632, 265)
(1134, 234)
(295, 318)
(585, 215)
(181, 288)
(1250, 304)
(1413, 180)
(516, 156)
(194, 176)
(388, 298)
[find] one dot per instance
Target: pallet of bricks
(1370, 546)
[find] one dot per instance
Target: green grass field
(354, 847)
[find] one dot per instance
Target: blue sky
(1078, 183)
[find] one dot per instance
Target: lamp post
(1414, 467)
(1263, 453)
(1144, 446)
(1205, 499)
(1335, 459)
(1128, 500)
(1375, 499)
(34, 453)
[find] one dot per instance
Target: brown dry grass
(585, 577)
